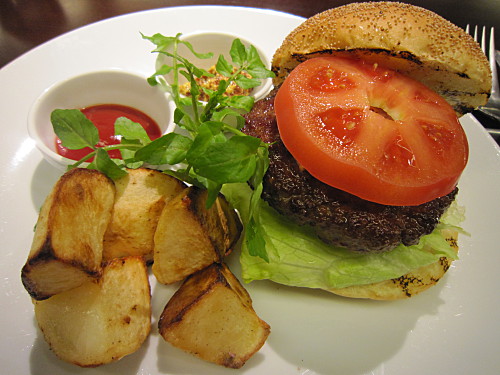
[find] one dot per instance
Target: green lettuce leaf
(298, 258)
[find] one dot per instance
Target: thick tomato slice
(371, 131)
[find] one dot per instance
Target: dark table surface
(25, 24)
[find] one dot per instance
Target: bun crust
(403, 37)
(407, 285)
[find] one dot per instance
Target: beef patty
(337, 217)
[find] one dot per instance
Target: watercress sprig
(211, 152)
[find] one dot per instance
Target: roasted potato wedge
(102, 320)
(67, 246)
(140, 198)
(211, 316)
(190, 237)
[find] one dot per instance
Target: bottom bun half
(405, 286)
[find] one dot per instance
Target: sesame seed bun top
(403, 37)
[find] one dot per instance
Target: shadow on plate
(44, 178)
(328, 334)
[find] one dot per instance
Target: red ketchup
(104, 116)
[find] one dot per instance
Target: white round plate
(451, 329)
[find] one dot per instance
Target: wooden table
(25, 24)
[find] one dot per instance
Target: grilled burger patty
(337, 217)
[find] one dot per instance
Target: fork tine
(483, 40)
(493, 64)
(487, 45)
(488, 50)
(475, 35)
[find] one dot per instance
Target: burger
(366, 151)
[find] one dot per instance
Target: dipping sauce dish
(89, 89)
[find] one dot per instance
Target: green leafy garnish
(211, 152)
(74, 129)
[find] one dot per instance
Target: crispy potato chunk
(140, 198)
(190, 237)
(68, 242)
(102, 320)
(211, 316)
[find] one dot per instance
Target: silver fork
(492, 107)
